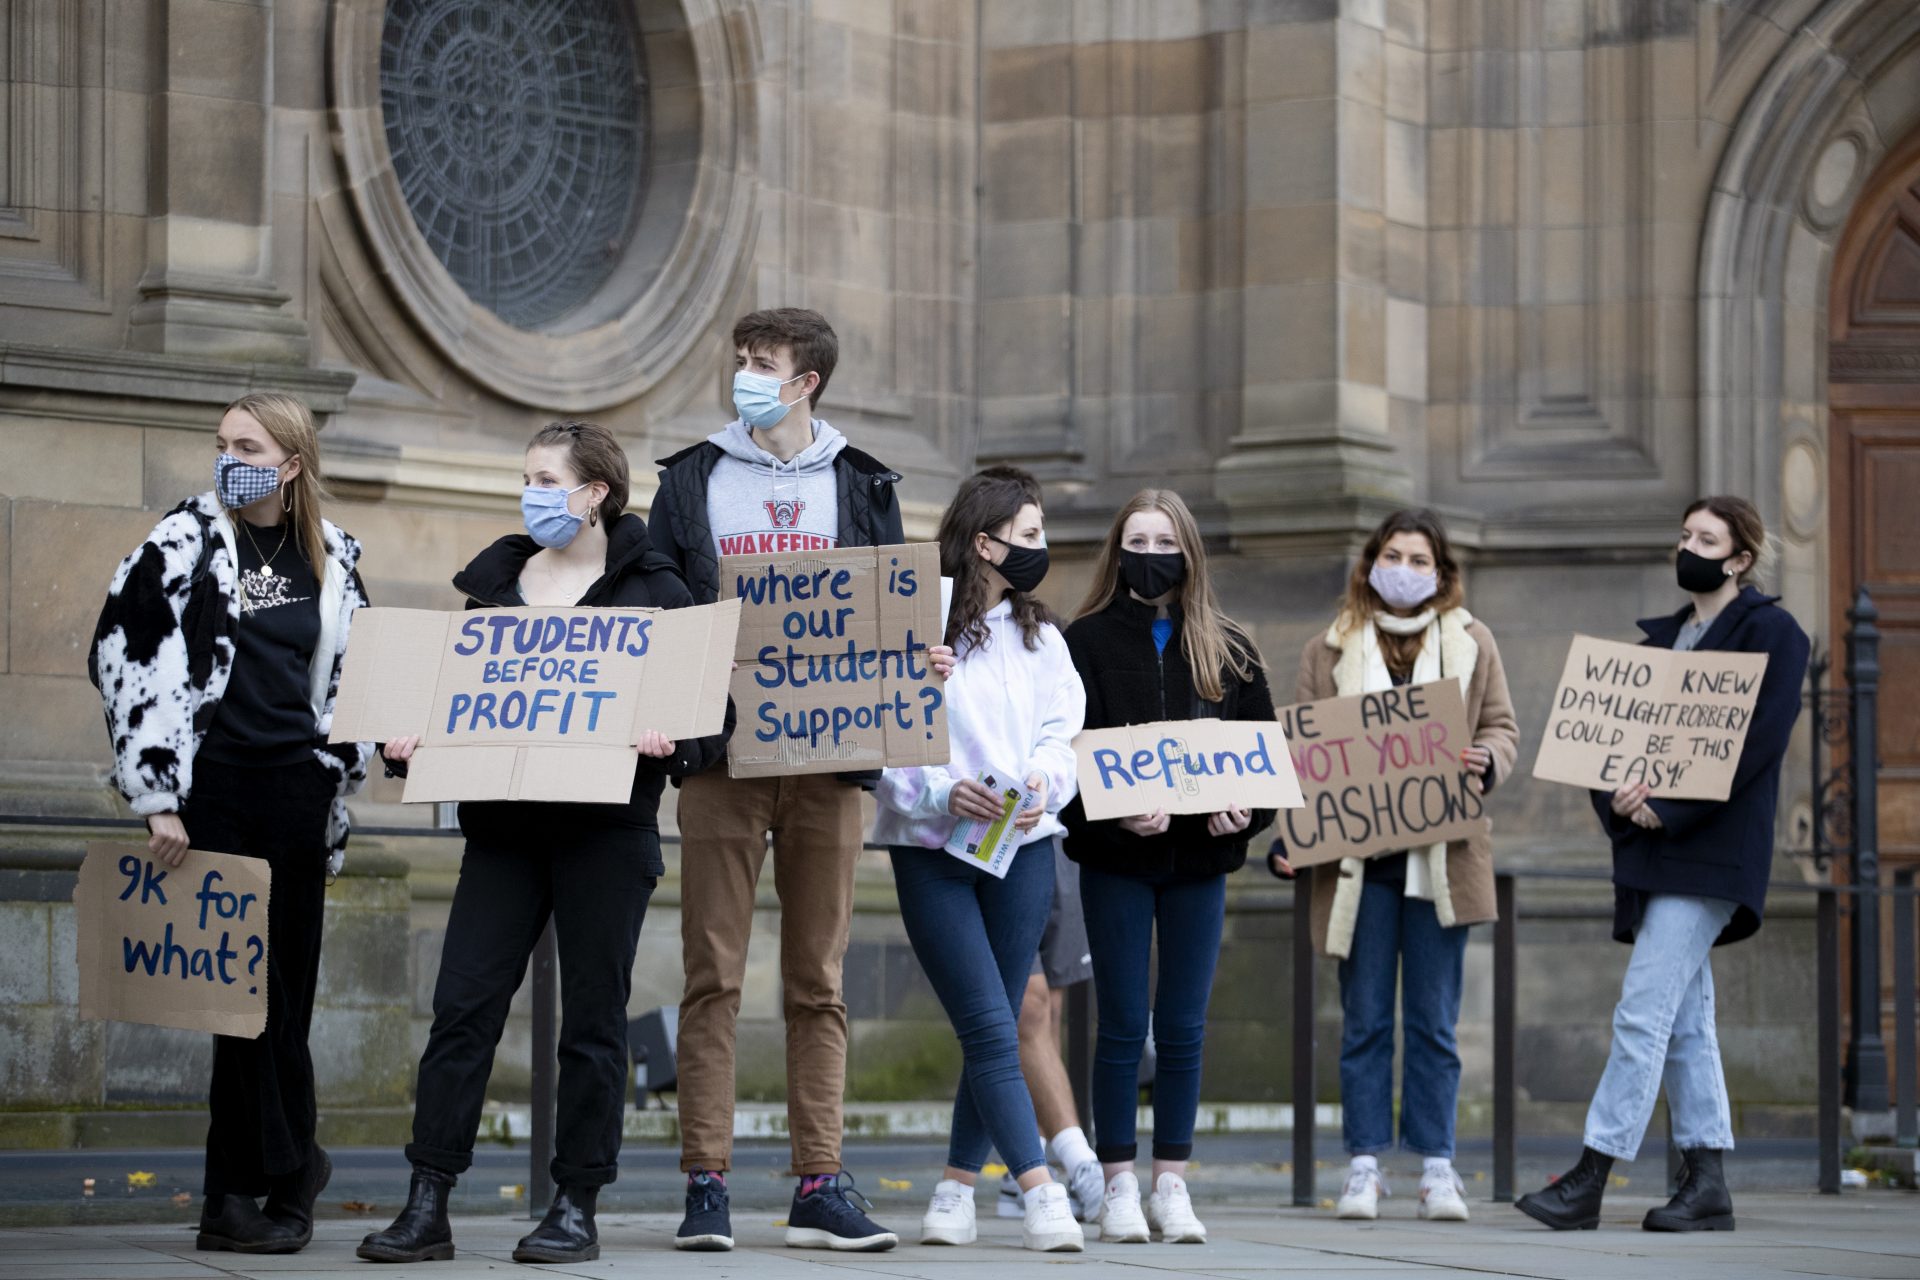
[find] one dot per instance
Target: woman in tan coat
(1400, 920)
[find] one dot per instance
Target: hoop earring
(593, 516)
(286, 498)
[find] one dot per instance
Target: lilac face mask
(1402, 587)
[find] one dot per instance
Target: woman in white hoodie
(1014, 704)
(1398, 921)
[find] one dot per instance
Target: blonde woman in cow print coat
(217, 656)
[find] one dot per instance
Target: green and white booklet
(991, 845)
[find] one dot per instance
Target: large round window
(517, 130)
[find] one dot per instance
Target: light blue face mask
(756, 398)
(548, 520)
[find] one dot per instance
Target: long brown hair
(985, 501)
(593, 454)
(1749, 532)
(1212, 643)
(291, 426)
(1360, 601)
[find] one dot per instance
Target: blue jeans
(1122, 913)
(1663, 1030)
(1399, 941)
(976, 938)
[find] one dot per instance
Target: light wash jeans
(1663, 1030)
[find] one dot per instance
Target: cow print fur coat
(164, 646)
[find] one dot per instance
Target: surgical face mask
(756, 398)
(1152, 574)
(1023, 567)
(241, 484)
(1698, 574)
(548, 520)
(1402, 586)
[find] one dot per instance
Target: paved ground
(1865, 1234)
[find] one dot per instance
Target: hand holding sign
(167, 838)
(1183, 766)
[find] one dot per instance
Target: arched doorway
(1873, 396)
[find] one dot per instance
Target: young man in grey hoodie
(776, 479)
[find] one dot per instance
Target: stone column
(208, 288)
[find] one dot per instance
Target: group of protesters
(219, 654)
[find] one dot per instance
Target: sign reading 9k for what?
(832, 670)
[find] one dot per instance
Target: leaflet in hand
(991, 845)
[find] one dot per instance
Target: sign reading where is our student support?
(832, 669)
(1381, 772)
(181, 946)
(533, 703)
(1627, 713)
(1184, 766)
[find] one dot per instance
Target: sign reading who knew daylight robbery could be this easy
(533, 703)
(1381, 772)
(1628, 713)
(832, 669)
(1184, 766)
(181, 946)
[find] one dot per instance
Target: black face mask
(1699, 574)
(1024, 567)
(1152, 574)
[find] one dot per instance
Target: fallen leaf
(140, 1178)
(356, 1206)
(779, 1222)
(183, 1198)
(896, 1184)
(1616, 1180)
(992, 1170)
(1326, 1204)
(512, 1191)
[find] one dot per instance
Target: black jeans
(261, 1096)
(595, 886)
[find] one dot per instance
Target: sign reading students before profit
(181, 946)
(1381, 772)
(1627, 713)
(1184, 766)
(832, 671)
(533, 703)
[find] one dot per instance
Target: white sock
(1436, 1164)
(1370, 1164)
(1071, 1148)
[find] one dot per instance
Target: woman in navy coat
(1689, 875)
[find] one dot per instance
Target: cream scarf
(1447, 651)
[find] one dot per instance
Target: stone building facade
(1552, 266)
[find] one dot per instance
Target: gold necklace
(266, 561)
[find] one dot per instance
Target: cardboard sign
(1184, 766)
(832, 660)
(990, 845)
(181, 946)
(1627, 713)
(1381, 772)
(532, 703)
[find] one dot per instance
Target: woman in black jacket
(591, 867)
(1150, 644)
(1689, 875)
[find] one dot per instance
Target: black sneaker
(827, 1219)
(707, 1228)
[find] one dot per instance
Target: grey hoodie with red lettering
(757, 504)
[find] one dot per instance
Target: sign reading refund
(1184, 766)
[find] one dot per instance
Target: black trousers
(595, 886)
(261, 1096)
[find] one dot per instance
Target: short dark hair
(593, 454)
(805, 333)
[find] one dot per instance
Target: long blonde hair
(291, 426)
(1212, 643)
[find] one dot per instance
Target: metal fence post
(1866, 1050)
(1827, 1001)
(1080, 1054)
(546, 1053)
(1505, 950)
(1303, 1085)
(1907, 1128)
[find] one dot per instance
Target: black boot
(234, 1224)
(1572, 1203)
(1702, 1203)
(291, 1203)
(566, 1234)
(420, 1233)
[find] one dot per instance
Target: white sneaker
(1441, 1196)
(1012, 1202)
(1121, 1221)
(1170, 1212)
(1050, 1227)
(1087, 1185)
(949, 1217)
(1360, 1198)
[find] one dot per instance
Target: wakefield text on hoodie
(759, 505)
